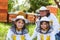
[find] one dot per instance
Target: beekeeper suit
(51, 17)
(50, 35)
(14, 34)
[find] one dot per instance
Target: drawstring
(22, 37)
(48, 38)
(14, 37)
(42, 37)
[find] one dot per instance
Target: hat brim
(26, 21)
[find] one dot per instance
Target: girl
(18, 31)
(45, 30)
(43, 11)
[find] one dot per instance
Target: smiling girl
(18, 31)
(45, 30)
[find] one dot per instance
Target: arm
(52, 36)
(27, 37)
(37, 23)
(55, 22)
(34, 35)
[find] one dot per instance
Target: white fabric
(38, 35)
(53, 19)
(43, 8)
(55, 26)
(10, 34)
(19, 17)
(44, 19)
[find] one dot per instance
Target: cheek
(42, 13)
(45, 13)
(17, 24)
(20, 24)
(43, 26)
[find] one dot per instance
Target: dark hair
(14, 25)
(42, 22)
(48, 13)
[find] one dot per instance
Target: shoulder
(52, 15)
(10, 32)
(25, 31)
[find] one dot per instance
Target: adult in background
(43, 11)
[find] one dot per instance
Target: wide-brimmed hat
(43, 8)
(19, 17)
(44, 19)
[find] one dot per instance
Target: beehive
(22, 13)
(53, 10)
(31, 17)
(3, 10)
(12, 16)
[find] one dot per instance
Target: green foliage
(10, 5)
(35, 4)
(3, 30)
(4, 27)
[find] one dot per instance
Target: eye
(22, 23)
(19, 22)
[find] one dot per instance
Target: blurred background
(11, 8)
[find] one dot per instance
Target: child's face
(44, 25)
(19, 24)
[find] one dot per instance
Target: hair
(46, 22)
(48, 13)
(14, 25)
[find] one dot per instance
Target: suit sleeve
(9, 35)
(34, 35)
(55, 23)
(27, 37)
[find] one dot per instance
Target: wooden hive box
(53, 10)
(3, 10)
(12, 16)
(31, 17)
(3, 17)
(21, 13)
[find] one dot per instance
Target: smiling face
(43, 13)
(44, 25)
(19, 24)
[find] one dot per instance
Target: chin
(19, 28)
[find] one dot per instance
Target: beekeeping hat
(44, 19)
(19, 17)
(43, 8)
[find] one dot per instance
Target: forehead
(20, 20)
(44, 22)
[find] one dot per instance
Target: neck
(45, 29)
(18, 29)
